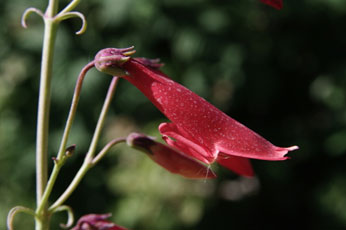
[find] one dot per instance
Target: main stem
(42, 219)
(43, 118)
(43, 109)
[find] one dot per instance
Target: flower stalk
(62, 156)
(89, 158)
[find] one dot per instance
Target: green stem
(60, 159)
(70, 6)
(73, 108)
(42, 219)
(43, 106)
(105, 149)
(88, 161)
(101, 121)
(43, 117)
(52, 8)
(43, 110)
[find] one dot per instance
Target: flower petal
(152, 63)
(184, 142)
(198, 128)
(169, 158)
(239, 165)
(255, 147)
(199, 122)
(277, 4)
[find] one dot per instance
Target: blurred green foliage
(281, 73)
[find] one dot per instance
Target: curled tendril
(27, 12)
(14, 211)
(70, 216)
(73, 14)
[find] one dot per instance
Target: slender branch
(60, 159)
(105, 149)
(70, 6)
(52, 8)
(75, 182)
(101, 121)
(88, 161)
(73, 108)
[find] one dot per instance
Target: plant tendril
(27, 12)
(73, 14)
(70, 215)
(14, 211)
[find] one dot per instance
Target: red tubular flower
(96, 222)
(198, 129)
(277, 4)
(169, 158)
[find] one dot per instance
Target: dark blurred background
(281, 73)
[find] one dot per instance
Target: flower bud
(110, 60)
(70, 150)
(170, 158)
(96, 222)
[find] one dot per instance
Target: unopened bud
(169, 158)
(110, 60)
(70, 150)
(96, 222)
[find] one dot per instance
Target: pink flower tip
(280, 151)
(169, 158)
(96, 222)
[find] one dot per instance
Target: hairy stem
(88, 161)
